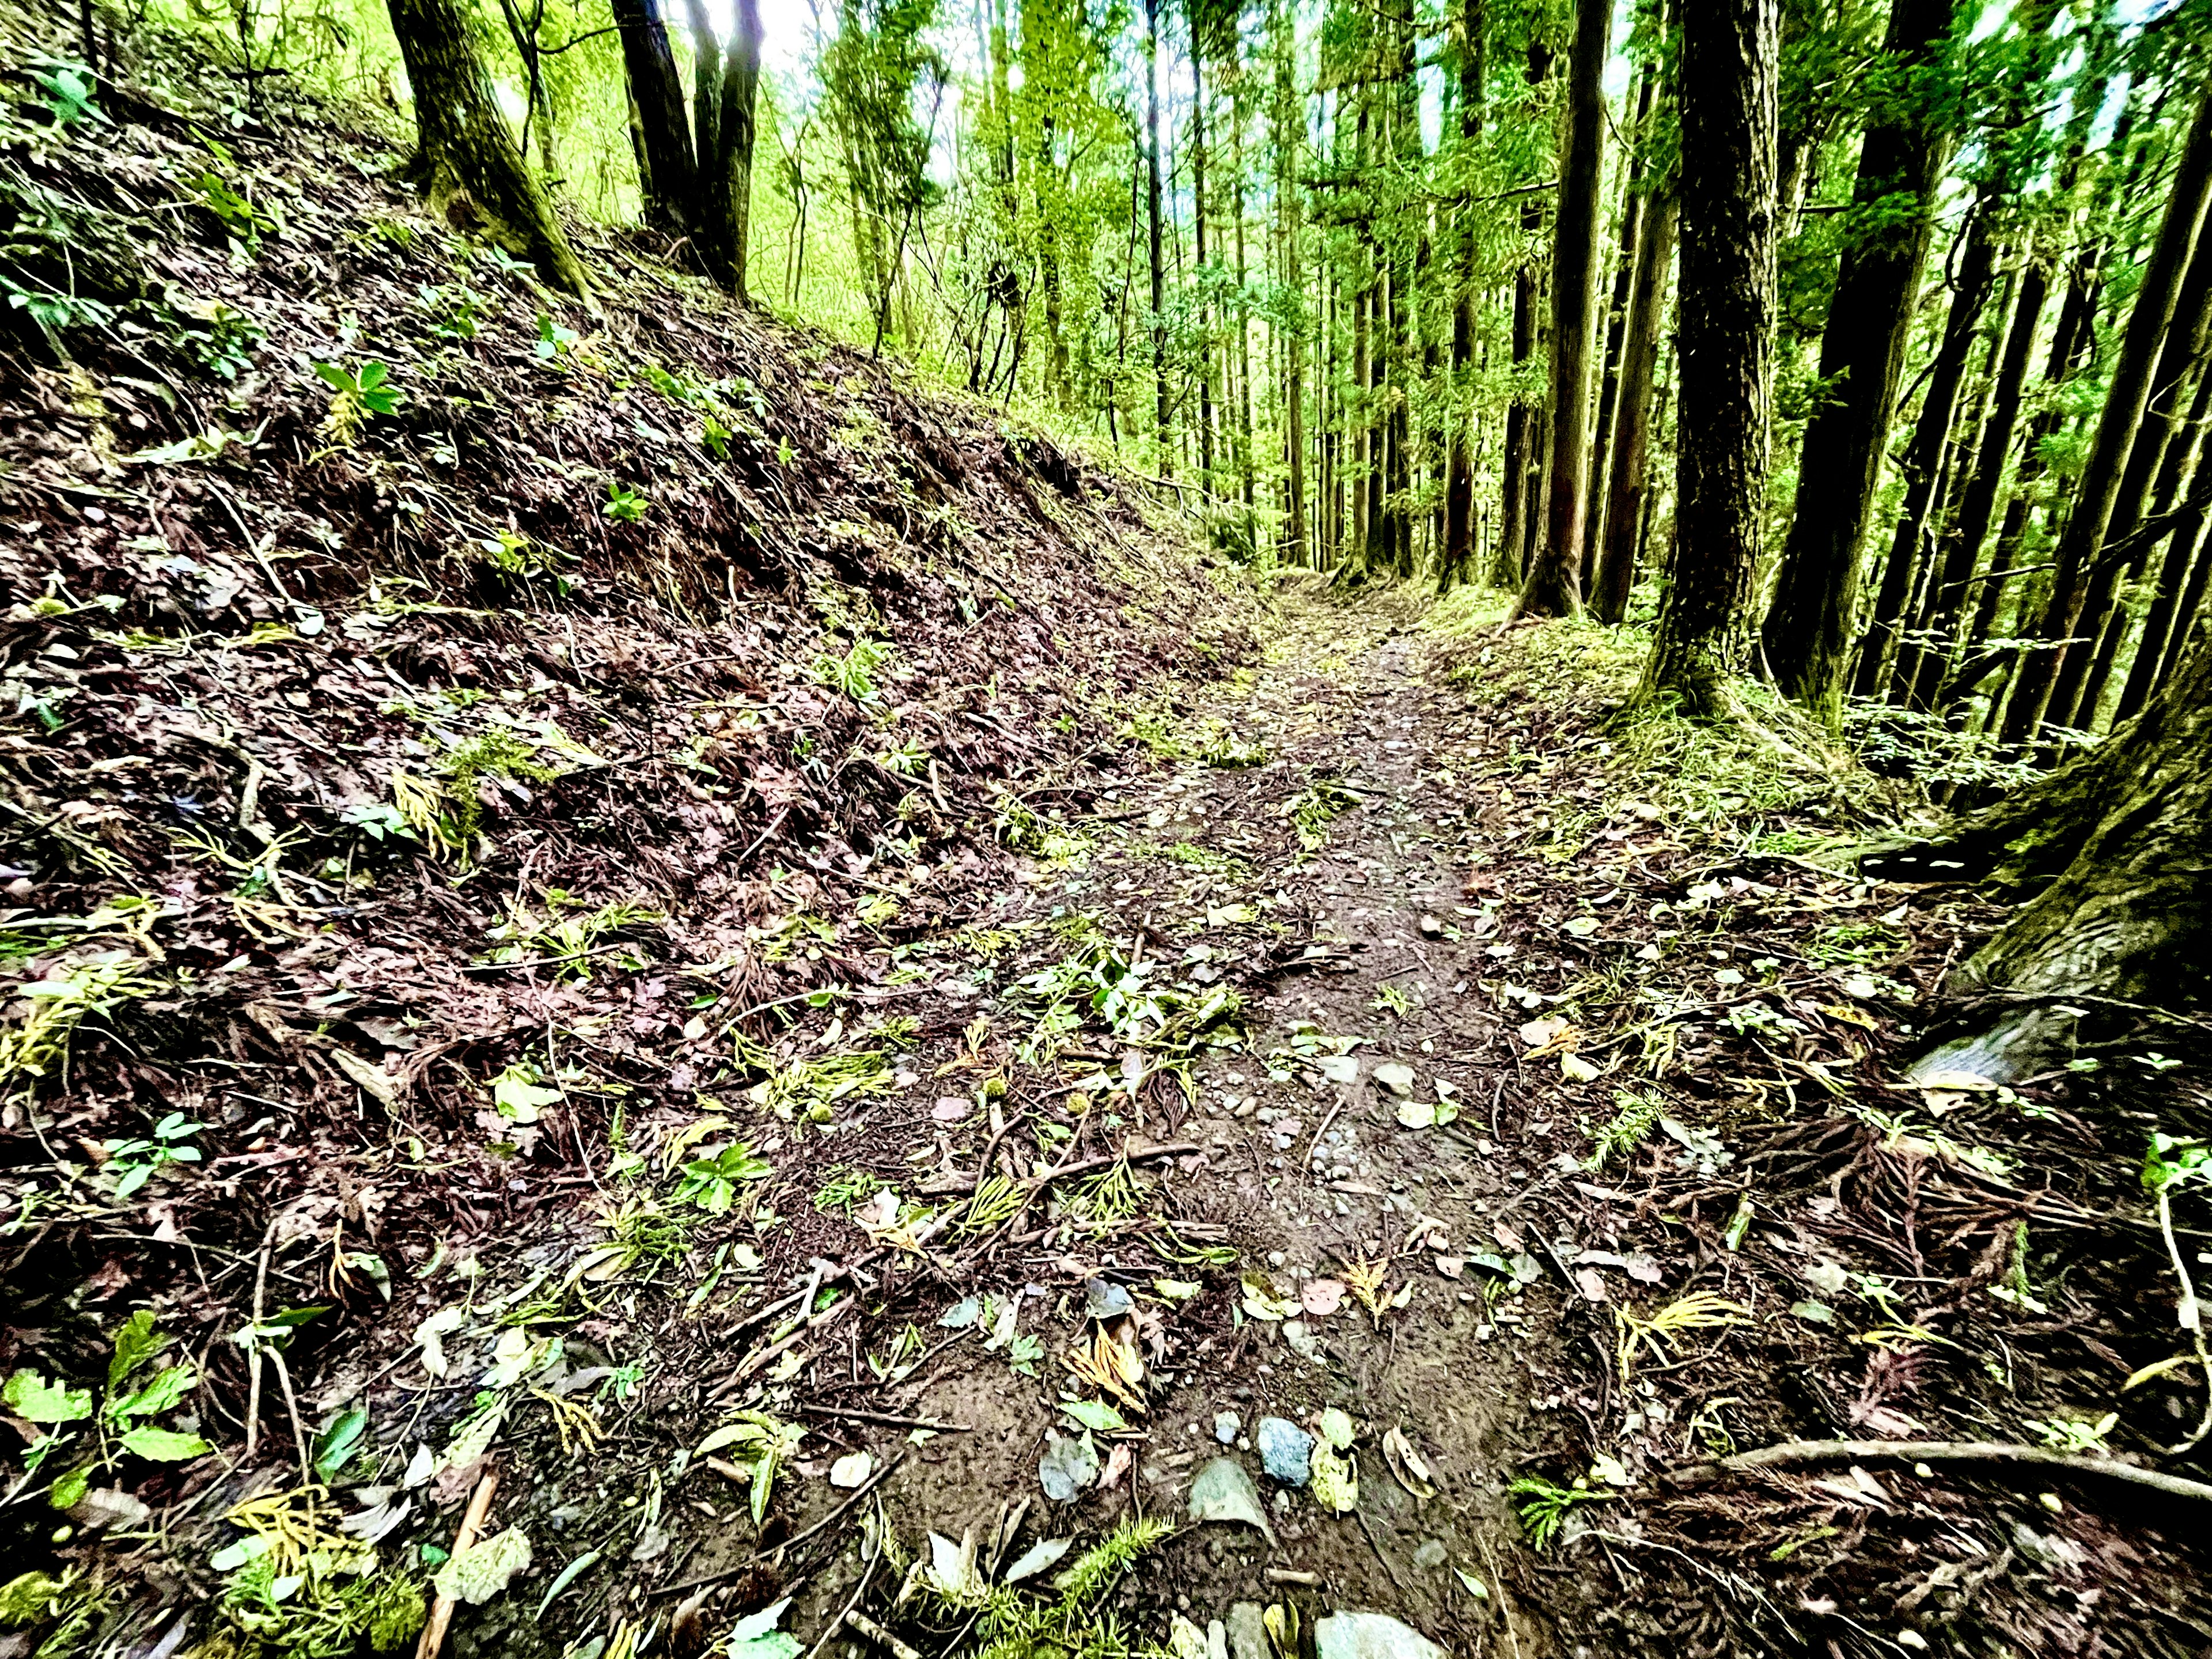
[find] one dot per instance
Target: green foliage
(132, 1162)
(711, 1182)
(1544, 1507)
(623, 504)
(338, 1604)
(357, 396)
(854, 674)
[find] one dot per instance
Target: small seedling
(624, 505)
(357, 396)
(133, 1162)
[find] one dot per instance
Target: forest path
(1351, 842)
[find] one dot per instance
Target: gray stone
(1286, 1450)
(1222, 1491)
(1225, 1424)
(1371, 1635)
(1103, 1299)
(1067, 1466)
(1431, 1554)
(1248, 1633)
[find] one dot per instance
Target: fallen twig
(441, 1610)
(1997, 1454)
(857, 1620)
(886, 1419)
(874, 1481)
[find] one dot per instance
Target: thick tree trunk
(465, 158)
(657, 93)
(2112, 848)
(2099, 495)
(1553, 588)
(1726, 328)
(1629, 451)
(1808, 638)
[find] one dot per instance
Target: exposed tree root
(1998, 1455)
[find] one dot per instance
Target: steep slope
(406, 665)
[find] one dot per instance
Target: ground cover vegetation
(1277, 831)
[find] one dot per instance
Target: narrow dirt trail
(1307, 1166)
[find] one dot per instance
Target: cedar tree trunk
(1808, 634)
(1726, 328)
(1554, 585)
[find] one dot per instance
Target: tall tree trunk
(2098, 495)
(1163, 456)
(2177, 470)
(1806, 636)
(1909, 545)
(1458, 561)
(465, 158)
(654, 88)
(1726, 328)
(1519, 506)
(1630, 453)
(1963, 548)
(740, 128)
(2172, 611)
(1553, 588)
(2161, 446)
(1635, 206)
(1204, 310)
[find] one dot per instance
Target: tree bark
(1553, 588)
(1458, 560)
(1806, 637)
(2112, 848)
(2161, 447)
(1910, 544)
(465, 158)
(1726, 330)
(1163, 454)
(1629, 451)
(1635, 207)
(658, 94)
(2099, 495)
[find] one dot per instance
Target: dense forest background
(1388, 289)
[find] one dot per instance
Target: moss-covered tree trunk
(2112, 850)
(465, 158)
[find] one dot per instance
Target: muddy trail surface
(1378, 1128)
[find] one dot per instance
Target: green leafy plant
(133, 1162)
(623, 504)
(554, 341)
(357, 396)
(763, 1445)
(854, 673)
(1544, 1507)
(216, 338)
(38, 1044)
(1634, 1119)
(2073, 1436)
(122, 1423)
(68, 87)
(454, 311)
(710, 1183)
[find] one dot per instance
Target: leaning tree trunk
(1726, 328)
(1807, 636)
(2113, 847)
(1553, 588)
(465, 159)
